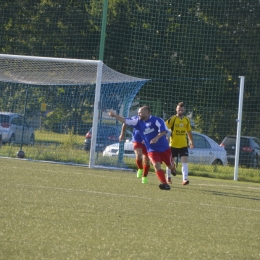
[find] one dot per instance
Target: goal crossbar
(49, 59)
(35, 70)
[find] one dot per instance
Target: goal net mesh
(57, 98)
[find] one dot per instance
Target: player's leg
(184, 165)
(172, 169)
(138, 159)
(146, 165)
(156, 160)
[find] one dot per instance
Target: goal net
(64, 104)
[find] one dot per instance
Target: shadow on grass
(233, 195)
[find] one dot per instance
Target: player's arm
(168, 123)
(190, 139)
(123, 130)
(155, 139)
(168, 132)
(162, 130)
(119, 118)
(189, 133)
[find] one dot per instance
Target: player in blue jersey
(153, 132)
(142, 160)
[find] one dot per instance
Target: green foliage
(191, 51)
(52, 119)
(71, 140)
(49, 152)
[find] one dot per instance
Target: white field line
(232, 185)
(228, 186)
(132, 196)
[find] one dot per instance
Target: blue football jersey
(136, 137)
(148, 130)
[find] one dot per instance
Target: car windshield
(229, 141)
(200, 141)
(256, 143)
(107, 130)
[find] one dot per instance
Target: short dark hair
(180, 104)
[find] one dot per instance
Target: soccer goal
(65, 102)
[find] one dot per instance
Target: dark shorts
(141, 146)
(179, 152)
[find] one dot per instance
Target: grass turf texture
(51, 211)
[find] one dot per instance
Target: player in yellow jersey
(180, 127)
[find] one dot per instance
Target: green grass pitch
(52, 211)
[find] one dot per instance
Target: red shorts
(161, 157)
(141, 146)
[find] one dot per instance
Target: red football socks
(146, 170)
(161, 176)
(139, 164)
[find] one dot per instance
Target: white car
(14, 128)
(113, 149)
(205, 151)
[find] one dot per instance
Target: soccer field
(52, 211)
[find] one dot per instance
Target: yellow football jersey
(179, 127)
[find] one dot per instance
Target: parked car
(205, 151)
(106, 135)
(11, 127)
(113, 149)
(249, 152)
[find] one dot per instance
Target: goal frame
(98, 83)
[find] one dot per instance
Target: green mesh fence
(192, 51)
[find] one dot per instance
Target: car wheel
(31, 142)
(12, 140)
(217, 162)
(254, 163)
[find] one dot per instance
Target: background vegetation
(192, 51)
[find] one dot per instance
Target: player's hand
(111, 113)
(121, 138)
(191, 145)
(154, 140)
